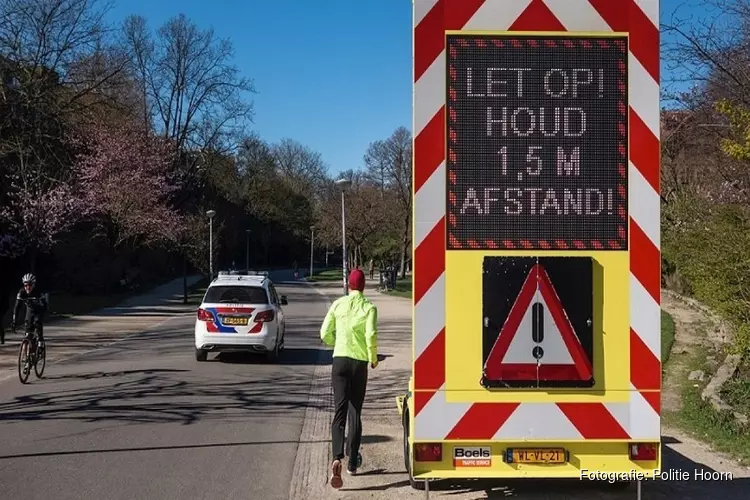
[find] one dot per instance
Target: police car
(240, 312)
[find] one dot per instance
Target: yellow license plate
(537, 456)
(234, 321)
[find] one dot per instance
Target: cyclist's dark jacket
(33, 308)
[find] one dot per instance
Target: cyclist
(36, 304)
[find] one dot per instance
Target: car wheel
(273, 355)
(201, 355)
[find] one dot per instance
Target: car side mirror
(284, 301)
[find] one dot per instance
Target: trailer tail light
(428, 452)
(264, 316)
(643, 451)
(204, 315)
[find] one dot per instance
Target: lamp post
(211, 214)
(247, 251)
(327, 254)
(312, 242)
(343, 185)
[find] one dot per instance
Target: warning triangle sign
(537, 341)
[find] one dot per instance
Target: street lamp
(211, 214)
(247, 251)
(312, 242)
(327, 254)
(343, 185)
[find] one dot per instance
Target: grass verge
(700, 419)
(736, 390)
(667, 336)
(328, 275)
(402, 288)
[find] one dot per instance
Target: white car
(240, 313)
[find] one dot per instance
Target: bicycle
(32, 351)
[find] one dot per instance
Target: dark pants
(349, 377)
(31, 319)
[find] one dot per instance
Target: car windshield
(236, 294)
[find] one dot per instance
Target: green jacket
(351, 326)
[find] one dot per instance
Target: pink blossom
(123, 177)
(37, 215)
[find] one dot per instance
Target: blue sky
(332, 74)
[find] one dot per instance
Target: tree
(389, 166)
(303, 169)
(711, 52)
(42, 44)
(38, 216)
(9, 246)
(125, 181)
(195, 96)
(367, 216)
(41, 41)
(278, 187)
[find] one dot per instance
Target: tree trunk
(184, 279)
(405, 244)
(266, 244)
(33, 254)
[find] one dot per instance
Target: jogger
(351, 327)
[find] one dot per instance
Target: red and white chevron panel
(437, 419)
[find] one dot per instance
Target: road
(139, 418)
(142, 419)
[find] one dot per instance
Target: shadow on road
(162, 396)
(371, 439)
(375, 438)
(122, 373)
(289, 356)
(152, 448)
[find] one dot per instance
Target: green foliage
(708, 244)
(739, 121)
(736, 391)
(667, 336)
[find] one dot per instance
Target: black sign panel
(503, 279)
(537, 142)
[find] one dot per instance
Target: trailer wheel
(417, 485)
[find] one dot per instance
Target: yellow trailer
(536, 235)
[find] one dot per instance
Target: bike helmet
(28, 279)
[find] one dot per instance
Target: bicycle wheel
(41, 358)
(24, 361)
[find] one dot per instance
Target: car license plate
(234, 321)
(536, 456)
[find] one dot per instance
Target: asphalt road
(142, 419)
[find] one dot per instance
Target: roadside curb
(310, 471)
